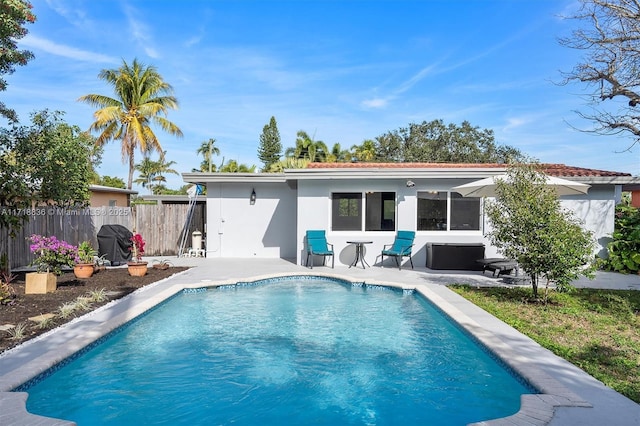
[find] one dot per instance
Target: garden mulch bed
(116, 283)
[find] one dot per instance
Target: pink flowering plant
(52, 253)
(137, 248)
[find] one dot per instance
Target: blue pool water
(295, 351)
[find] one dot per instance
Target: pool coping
(518, 352)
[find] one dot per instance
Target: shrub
(52, 254)
(624, 251)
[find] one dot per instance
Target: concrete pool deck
(569, 395)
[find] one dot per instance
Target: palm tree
(146, 173)
(366, 151)
(233, 167)
(306, 147)
(339, 155)
(288, 163)
(207, 149)
(152, 172)
(142, 98)
(163, 167)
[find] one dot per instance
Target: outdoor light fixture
(252, 198)
(410, 184)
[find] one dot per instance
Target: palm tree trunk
(131, 167)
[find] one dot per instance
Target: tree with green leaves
(163, 167)
(234, 167)
(142, 98)
(624, 249)
(58, 147)
(529, 225)
(207, 149)
(308, 148)
(47, 162)
(111, 181)
(151, 172)
(608, 38)
(288, 163)
(338, 154)
(435, 142)
(95, 160)
(366, 152)
(161, 189)
(270, 148)
(14, 14)
(146, 173)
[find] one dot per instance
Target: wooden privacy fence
(160, 225)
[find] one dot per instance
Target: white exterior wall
(596, 210)
(314, 207)
(275, 226)
(235, 228)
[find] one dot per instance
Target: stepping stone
(42, 317)
(6, 327)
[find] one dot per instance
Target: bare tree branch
(610, 39)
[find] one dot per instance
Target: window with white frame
(447, 211)
(379, 213)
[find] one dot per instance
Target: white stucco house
(372, 201)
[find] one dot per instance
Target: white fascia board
(199, 177)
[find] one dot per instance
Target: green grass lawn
(597, 330)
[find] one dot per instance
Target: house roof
(102, 188)
(559, 170)
(318, 171)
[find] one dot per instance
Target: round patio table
(359, 252)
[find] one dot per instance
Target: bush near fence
(160, 225)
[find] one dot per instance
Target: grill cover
(114, 242)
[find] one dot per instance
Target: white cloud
(375, 103)
(415, 79)
(515, 123)
(73, 13)
(34, 42)
(140, 32)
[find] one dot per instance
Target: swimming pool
(303, 350)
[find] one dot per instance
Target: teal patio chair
(400, 248)
(317, 245)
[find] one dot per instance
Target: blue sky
(343, 71)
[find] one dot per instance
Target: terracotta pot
(83, 270)
(40, 283)
(137, 269)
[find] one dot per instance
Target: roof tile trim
(550, 169)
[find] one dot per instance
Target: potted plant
(161, 264)
(136, 266)
(51, 255)
(85, 260)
